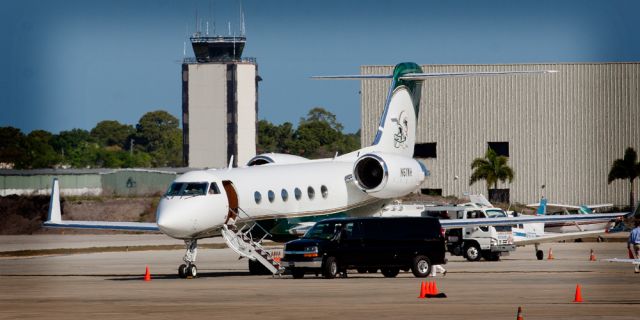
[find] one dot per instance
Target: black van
(390, 244)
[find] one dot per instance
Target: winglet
(542, 209)
(55, 213)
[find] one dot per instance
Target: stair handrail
(248, 216)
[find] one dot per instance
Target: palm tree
(626, 168)
(491, 168)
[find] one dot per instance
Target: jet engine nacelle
(386, 175)
(277, 158)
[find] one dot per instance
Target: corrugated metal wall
(564, 130)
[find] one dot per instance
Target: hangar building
(561, 131)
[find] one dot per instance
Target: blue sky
(70, 64)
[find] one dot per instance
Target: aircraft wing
(555, 237)
(54, 219)
(634, 261)
(460, 223)
(568, 206)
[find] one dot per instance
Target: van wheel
(297, 273)
(491, 256)
(329, 268)
(390, 272)
(472, 252)
(421, 266)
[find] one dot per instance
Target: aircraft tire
(540, 254)
(182, 271)
(192, 271)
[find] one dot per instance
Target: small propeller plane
(227, 202)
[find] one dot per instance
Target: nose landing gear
(189, 269)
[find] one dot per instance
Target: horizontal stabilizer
(54, 219)
(428, 75)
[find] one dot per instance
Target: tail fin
(397, 130)
(55, 214)
(542, 209)
(585, 210)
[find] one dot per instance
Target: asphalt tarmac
(110, 285)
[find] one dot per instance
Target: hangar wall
(563, 130)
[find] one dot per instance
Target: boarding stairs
(242, 242)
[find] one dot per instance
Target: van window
(352, 230)
(322, 230)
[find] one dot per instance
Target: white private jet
(227, 202)
(545, 208)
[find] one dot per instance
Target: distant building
(219, 102)
(561, 131)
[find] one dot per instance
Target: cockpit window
(187, 189)
(496, 213)
(213, 188)
(195, 189)
(175, 189)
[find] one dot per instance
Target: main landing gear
(189, 270)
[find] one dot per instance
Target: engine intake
(388, 175)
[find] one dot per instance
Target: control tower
(219, 102)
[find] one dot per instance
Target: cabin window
(271, 196)
(297, 193)
(311, 193)
(213, 189)
(257, 196)
(324, 191)
(284, 194)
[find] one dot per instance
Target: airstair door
(232, 197)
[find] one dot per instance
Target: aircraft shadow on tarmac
(175, 276)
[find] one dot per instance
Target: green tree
(113, 133)
(158, 133)
(11, 146)
(273, 138)
(492, 168)
(76, 148)
(626, 168)
(39, 152)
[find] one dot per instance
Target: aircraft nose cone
(169, 220)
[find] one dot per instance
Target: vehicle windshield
(496, 213)
(187, 189)
(322, 230)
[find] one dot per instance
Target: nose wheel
(189, 270)
(186, 271)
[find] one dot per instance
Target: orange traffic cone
(147, 275)
(519, 315)
(550, 256)
(435, 288)
(423, 290)
(578, 297)
(592, 256)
